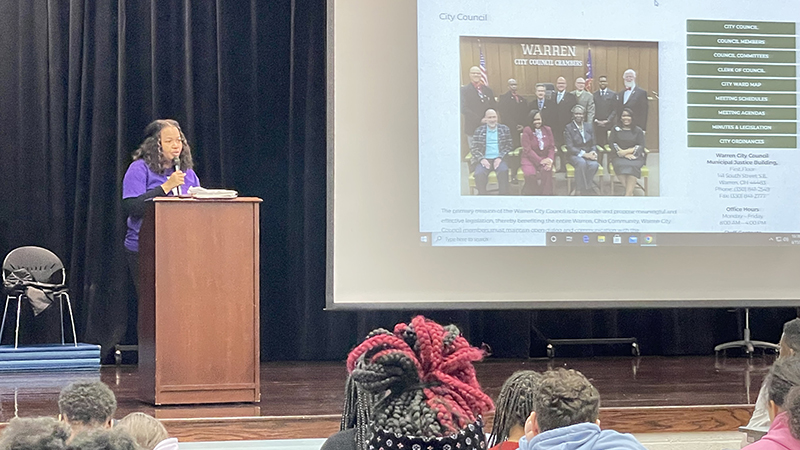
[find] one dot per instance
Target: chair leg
(61, 315)
(16, 332)
(5, 310)
(71, 320)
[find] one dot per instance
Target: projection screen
(453, 183)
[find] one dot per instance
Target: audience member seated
(783, 376)
(565, 415)
(102, 439)
(423, 378)
(87, 405)
(627, 140)
(581, 152)
(42, 433)
(512, 408)
(790, 345)
(148, 432)
(538, 154)
(490, 144)
(792, 407)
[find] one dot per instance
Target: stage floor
(304, 399)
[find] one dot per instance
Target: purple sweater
(138, 181)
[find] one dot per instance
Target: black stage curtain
(246, 79)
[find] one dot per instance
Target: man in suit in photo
(476, 98)
(581, 152)
(585, 99)
(635, 98)
(490, 145)
(546, 106)
(513, 109)
(564, 102)
(605, 111)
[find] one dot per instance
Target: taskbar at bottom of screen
(672, 239)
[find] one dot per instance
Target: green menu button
(714, 126)
(746, 56)
(740, 84)
(739, 27)
(742, 113)
(733, 141)
(741, 98)
(737, 41)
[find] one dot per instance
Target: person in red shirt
(513, 406)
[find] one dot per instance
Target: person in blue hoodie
(565, 417)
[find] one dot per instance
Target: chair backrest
(43, 265)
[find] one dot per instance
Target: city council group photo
(544, 116)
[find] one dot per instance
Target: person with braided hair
(784, 376)
(513, 406)
(566, 410)
(423, 384)
(355, 420)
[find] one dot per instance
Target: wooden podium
(198, 301)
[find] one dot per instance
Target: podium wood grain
(199, 301)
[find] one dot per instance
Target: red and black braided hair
(424, 374)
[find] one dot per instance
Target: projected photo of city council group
(561, 117)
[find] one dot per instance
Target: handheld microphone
(176, 161)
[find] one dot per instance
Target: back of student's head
(564, 398)
(103, 439)
(146, 430)
(42, 433)
(791, 335)
(425, 383)
(90, 404)
(783, 376)
(792, 406)
(514, 404)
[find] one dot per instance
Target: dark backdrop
(79, 80)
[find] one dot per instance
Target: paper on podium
(199, 192)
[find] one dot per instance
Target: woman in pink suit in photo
(538, 154)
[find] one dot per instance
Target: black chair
(35, 272)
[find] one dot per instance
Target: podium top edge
(207, 200)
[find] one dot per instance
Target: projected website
(611, 123)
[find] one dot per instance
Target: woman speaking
(162, 166)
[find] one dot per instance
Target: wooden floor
(304, 399)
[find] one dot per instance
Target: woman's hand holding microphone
(174, 180)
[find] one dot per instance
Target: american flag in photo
(484, 74)
(589, 71)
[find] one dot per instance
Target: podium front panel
(199, 322)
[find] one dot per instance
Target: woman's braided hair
(514, 404)
(423, 376)
(358, 405)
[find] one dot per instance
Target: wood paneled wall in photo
(610, 58)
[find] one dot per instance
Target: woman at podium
(162, 166)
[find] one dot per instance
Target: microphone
(176, 161)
